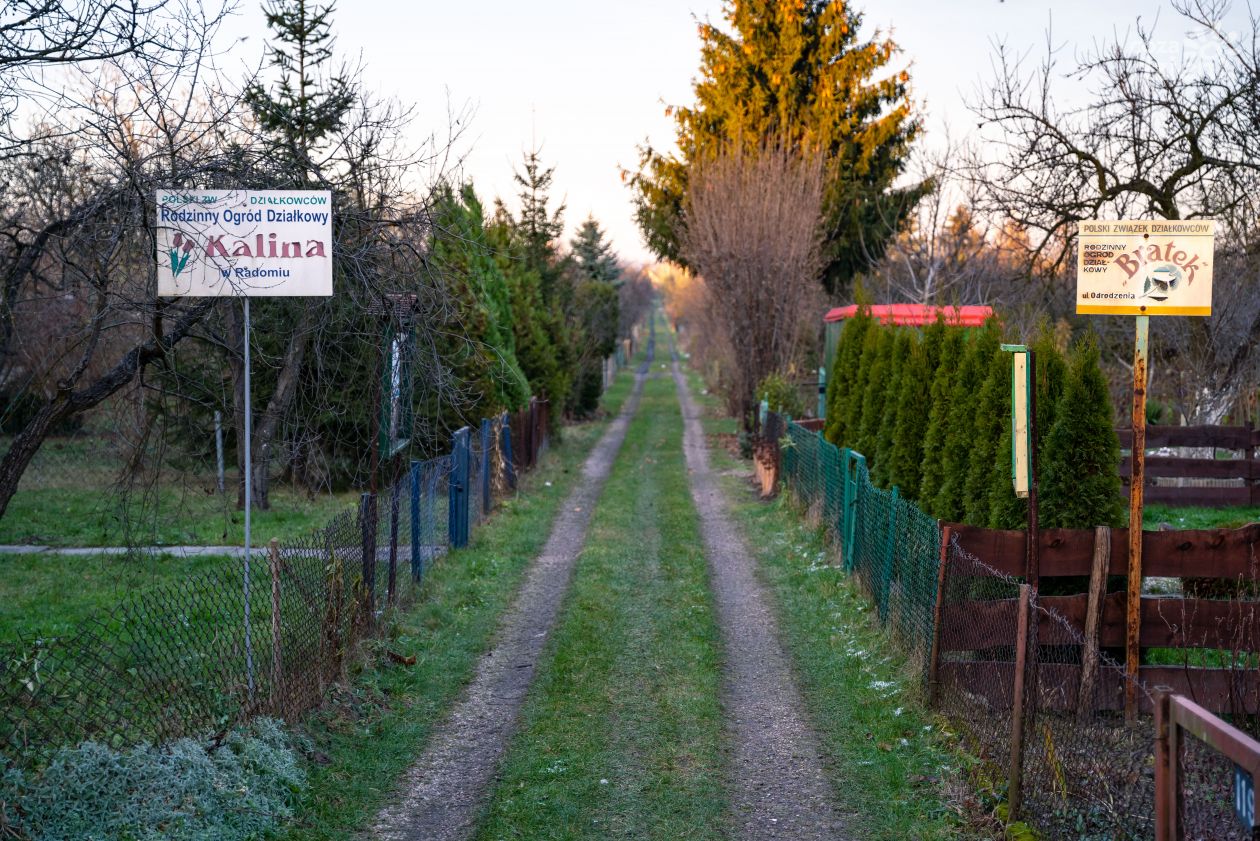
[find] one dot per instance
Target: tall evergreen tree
(964, 398)
(843, 377)
(992, 417)
(594, 255)
(799, 71)
(308, 103)
(857, 390)
(1008, 510)
(873, 402)
(906, 463)
(1080, 485)
(953, 348)
(907, 342)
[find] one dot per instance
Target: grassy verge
(622, 730)
(896, 770)
(368, 734)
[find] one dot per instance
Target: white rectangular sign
(1145, 267)
(244, 243)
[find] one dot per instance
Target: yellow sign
(1145, 267)
(1020, 444)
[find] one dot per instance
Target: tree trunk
(266, 423)
(68, 401)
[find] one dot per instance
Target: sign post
(244, 244)
(1142, 268)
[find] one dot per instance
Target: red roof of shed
(917, 315)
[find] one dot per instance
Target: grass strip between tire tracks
(621, 735)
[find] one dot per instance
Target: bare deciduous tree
(752, 231)
(1162, 132)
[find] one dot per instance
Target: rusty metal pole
(1137, 479)
(1016, 785)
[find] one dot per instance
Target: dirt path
(778, 788)
(443, 792)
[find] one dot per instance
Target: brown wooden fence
(1197, 480)
(1230, 627)
(529, 432)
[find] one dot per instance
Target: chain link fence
(259, 635)
(1081, 770)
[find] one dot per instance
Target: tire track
(442, 794)
(777, 784)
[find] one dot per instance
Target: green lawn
(1198, 518)
(370, 732)
(169, 516)
(48, 595)
(621, 734)
(897, 770)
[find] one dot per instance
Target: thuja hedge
(930, 410)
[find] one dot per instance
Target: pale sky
(586, 79)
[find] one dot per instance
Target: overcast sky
(586, 79)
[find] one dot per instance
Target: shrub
(844, 374)
(886, 437)
(1080, 485)
(177, 791)
(874, 399)
(956, 458)
(781, 395)
(992, 419)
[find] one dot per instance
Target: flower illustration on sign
(181, 250)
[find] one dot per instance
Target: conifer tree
(844, 374)
(964, 400)
(953, 347)
(1008, 510)
(992, 416)
(593, 254)
(906, 462)
(801, 71)
(1080, 486)
(857, 390)
(907, 341)
(874, 398)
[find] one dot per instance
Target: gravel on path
(442, 794)
(778, 787)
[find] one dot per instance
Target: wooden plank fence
(977, 632)
(1160, 469)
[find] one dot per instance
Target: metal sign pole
(249, 502)
(1137, 480)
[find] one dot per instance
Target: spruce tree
(845, 373)
(907, 342)
(1080, 485)
(953, 347)
(993, 415)
(593, 254)
(964, 399)
(802, 72)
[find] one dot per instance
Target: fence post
(531, 446)
(277, 659)
(1093, 621)
(417, 570)
(856, 462)
(459, 487)
(505, 445)
(1015, 788)
(885, 578)
(394, 493)
(367, 525)
(487, 451)
(934, 661)
(1165, 818)
(822, 393)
